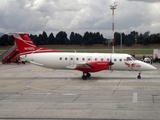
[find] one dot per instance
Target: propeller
(111, 63)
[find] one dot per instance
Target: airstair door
(9, 54)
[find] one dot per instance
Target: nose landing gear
(139, 75)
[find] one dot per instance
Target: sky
(79, 16)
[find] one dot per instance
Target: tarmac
(32, 92)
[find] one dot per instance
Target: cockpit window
(133, 58)
(129, 59)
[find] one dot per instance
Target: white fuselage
(64, 60)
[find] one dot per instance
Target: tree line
(89, 38)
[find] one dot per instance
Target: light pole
(113, 7)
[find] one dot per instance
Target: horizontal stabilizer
(39, 64)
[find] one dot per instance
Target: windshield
(133, 58)
(130, 59)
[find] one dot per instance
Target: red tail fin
(24, 43)
(26, 46)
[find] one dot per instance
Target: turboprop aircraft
(84, 62)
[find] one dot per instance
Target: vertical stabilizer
(24, 43)
(26, 46)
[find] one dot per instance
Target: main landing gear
(139, 75)
(86, 75)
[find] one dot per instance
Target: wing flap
(82, 65)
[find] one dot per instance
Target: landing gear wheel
(139, 76)
(84, 77)
(88, 75)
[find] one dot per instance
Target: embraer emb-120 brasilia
(85, 62)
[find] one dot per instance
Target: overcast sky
(79, 16)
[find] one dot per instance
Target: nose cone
(147, 67)
(152, 67)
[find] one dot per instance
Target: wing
(81, 65)
(91, 66)
(84, 66)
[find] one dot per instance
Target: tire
(139, 77)
(84, 77)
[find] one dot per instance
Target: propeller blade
(110, 63)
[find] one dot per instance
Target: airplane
(87, 63)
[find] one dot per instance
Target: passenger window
(107, 59)
(65, 58)
(83, 59)
(71, 58)
(115, 59)
(60, 58)
(120, 60)
(101, 59)
(89, 59)
(95, 59)
(77, 59)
